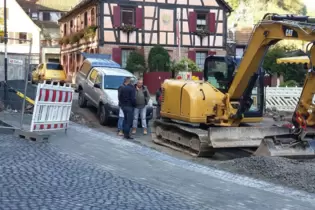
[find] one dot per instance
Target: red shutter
(192, 21)
(116, 55)
(192, 55)
(116, 16)
(139, 18)
(212, 52)
(211, 22)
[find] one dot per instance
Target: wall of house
(17, 30)
(166, 24)
(70, 53)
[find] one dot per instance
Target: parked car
(49, 72)
(97, 82)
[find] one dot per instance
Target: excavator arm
(272, 29)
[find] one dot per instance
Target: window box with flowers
(90, 32)
(202, 33)
(64, 41)
(127, 28)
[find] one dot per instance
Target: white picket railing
(281, 98)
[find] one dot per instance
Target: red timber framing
(147, 18)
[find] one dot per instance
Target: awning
(96, 56)
(294, 60)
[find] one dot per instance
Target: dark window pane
(54, 66)
(127, 16)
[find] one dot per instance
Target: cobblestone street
(86, 169)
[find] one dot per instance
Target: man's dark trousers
(128, 119)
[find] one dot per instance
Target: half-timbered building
(191, 28)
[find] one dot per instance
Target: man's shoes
(128, 137)
(120, 133)
(134, 130)
(145, 131)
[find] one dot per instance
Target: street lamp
(5, 50)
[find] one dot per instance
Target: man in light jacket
(142, 99)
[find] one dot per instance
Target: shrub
(158, 59)
(289, 83)
(135, 62)
(185, 64)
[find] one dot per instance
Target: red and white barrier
(52, 107)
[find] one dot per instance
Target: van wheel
(103, 116)
(82, 101)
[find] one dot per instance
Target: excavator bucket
(231, 137)
(288, 145)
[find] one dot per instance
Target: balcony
(84, 36)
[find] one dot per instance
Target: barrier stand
(52, 111)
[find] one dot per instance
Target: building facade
(20, 29)
(186, 28)
(45, 15)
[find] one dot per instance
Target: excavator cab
(219, 71)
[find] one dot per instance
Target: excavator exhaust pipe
(288, 145)
(232, 137)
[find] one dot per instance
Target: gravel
(299, 174)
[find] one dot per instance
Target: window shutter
(212, 52)
(192, 55)
(116, 55)
(116, 16)
(139, 18)
(211, 22)
(192, 21)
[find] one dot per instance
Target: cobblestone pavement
(86, 169)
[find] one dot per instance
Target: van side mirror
(97, 85)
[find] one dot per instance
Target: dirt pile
(299, 174)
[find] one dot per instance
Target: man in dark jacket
(121, 113)
(127, 99)
(158, 95)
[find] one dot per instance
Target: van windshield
(113, 82)
(54, 66)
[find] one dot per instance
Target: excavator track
(191, 140)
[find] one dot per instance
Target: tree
(294, 72)
(158, 59)
(135, 62)
(249, 12)
(184, 64)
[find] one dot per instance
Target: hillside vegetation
(249, 12)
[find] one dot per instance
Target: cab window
(218, 73)
(93, 75)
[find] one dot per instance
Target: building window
(124, 57)
(85, 19)
(200, 59)
(46, 16)
(201, 21)
(128, 16)
(22, 37)
(34, 16)
(93, 16)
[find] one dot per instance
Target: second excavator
(202, 117)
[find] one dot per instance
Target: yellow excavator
(201, 117)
